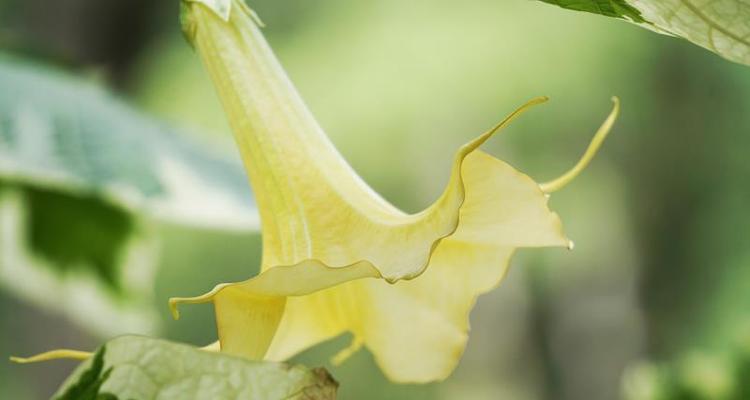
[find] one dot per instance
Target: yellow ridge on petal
(54, 355)
(588, 155)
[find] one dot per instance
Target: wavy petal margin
(325, 231)
(416, 328)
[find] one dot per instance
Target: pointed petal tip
(593, 147)
(474, 144)
(534, 102)
(59, 354)
(208, 297)
(174, 302)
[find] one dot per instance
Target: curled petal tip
(173, 303)
(536, 101)
(588, 155)
(502, 124)
(53, 355)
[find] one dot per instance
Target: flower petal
(503, 209)
(417, 329)
(325, 230)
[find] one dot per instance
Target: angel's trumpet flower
(336, 256)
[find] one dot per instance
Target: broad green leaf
(722, 26)
(82, 175)
(72, 136)
(135, 367)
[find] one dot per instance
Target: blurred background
(653, 303)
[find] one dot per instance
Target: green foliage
(718, 25)
(87, 381)
(610, 8)
(65, 236)
(135, 367)
(82, 177)
(60, 132)
(695, 375)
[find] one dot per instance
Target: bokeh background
(653, 303)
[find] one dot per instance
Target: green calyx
(222, 8)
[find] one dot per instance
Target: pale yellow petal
(312, 204)
(331, 245)
(417, 329)
(481, 189)
(246, 321)
(505, 207)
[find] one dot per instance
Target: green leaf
(135, 367)
(722, 26)
(86, 382)
(62, 133)
(82, 177)
(610, 8)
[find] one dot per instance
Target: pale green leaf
(82, 175)
(610, 8)
(722, 26)
(70, 135)
(134, 367)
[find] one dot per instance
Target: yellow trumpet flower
(336, 256)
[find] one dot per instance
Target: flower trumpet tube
(336, 256)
